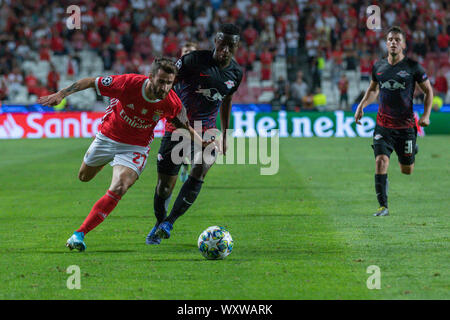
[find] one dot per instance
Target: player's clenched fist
(424, 121)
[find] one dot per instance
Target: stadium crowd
(319, 41)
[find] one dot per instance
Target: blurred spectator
(78, 41)
(343, 92)
(319, 100)
(171, 45)
(266, 64)
(351, 64)
(442, 41)
(44, 52)
(281, 47)
(3, 89)
(157, 40)
(437, 103)
(302, 31)
(418, 42)
(292, 37)
(31, 82)
(126, 38)
(316, 75)
(308, 102)
(41, 90)
(107, 58)
(241, 57)
(298, 89)
(365, 68)
(72, 67)
(143, 45)
(312, 44)
(249, 35)
(135, 63)
(94, 39)
(52, 79)
(281, 90)
(441, 85)
(14, 81)
(145, 67)
(57, 44)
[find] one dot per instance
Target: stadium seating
(86, 60)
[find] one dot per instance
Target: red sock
(101, 209)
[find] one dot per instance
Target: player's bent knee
(406, 170)
(382, 159)
(382, 162)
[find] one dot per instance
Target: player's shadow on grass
(85, 252)
(268, 187)
(111, 251)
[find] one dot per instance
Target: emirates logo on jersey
(135, 122)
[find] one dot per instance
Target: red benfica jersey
(131, 116)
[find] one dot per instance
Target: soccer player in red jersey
(394, 78)
(137, 104)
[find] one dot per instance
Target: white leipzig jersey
(131, 116)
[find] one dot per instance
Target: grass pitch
(305, 233)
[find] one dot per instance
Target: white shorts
(103, 150)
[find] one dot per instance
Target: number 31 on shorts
(139, 159)
(408, 147)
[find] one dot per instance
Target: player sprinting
(185, 49)
(206, 82)
(137, 103)
(394, 78)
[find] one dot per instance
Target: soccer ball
(215, 243)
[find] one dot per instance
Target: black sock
(381, 188)
(160, 206)
(188, 193)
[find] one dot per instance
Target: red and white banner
(37, 125)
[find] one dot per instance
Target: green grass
(305, 233)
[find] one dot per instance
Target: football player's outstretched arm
(425, 86)
(370, 96)
(55, 99)
(181, 121)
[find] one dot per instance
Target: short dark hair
(190, 44)
(396, 29)
(165, 64)
(231, 29)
